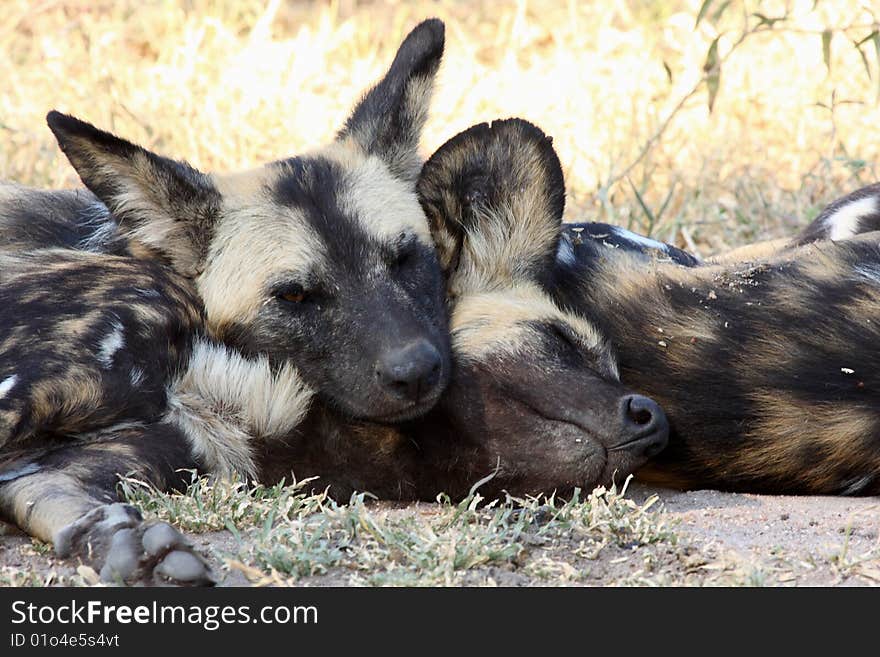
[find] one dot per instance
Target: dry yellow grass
(232, 84)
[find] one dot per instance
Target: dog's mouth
(553, 418)
(410, 413)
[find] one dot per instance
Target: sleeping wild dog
(179, 313)
(765, 369)
(534, 399)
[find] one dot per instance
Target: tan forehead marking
(494, 322)
(385, 205)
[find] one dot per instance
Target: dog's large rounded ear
(165, 205)
(494, 197)
(388, 121)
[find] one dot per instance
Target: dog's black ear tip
(431, 30)
(64, 124)
(426, 40)
(57, 120)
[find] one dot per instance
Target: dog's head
(535, 385)
(324, 260)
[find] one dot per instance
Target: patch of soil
(804, 540)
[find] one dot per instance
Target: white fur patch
(224, 402)
(385, 205)
(499, 323)
(501, 251)
(7, 384)
(136, 376)
(856, 485)
(641, 240)
(18, 473)
(112, 342)
(844, 222)
(105, 230)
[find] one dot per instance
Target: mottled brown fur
(765, 370)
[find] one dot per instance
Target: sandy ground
(803, 540)
(723, 539)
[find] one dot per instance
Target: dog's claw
(131, 551)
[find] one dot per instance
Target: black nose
(644, 425)
(410, 372)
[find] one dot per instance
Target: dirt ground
(794, 540)
(720, 539)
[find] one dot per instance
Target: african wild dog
(320, 291)
(764, 369)
(513, 408)
(89, 343)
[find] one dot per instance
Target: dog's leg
(68, 496)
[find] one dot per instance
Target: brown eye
(291, 294)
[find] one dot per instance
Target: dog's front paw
(131, 551)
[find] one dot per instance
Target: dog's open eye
(291, 293)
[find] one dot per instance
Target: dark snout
(644, 427)
(411, 372)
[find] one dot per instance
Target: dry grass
(232, 84)
(283, 535)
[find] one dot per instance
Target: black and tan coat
(188, 313)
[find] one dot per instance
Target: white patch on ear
(224, 403)
(844, 222)
(112, 342)
(501, 249)
(7, 384)
(144, 218)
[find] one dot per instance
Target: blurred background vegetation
(624, 87)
